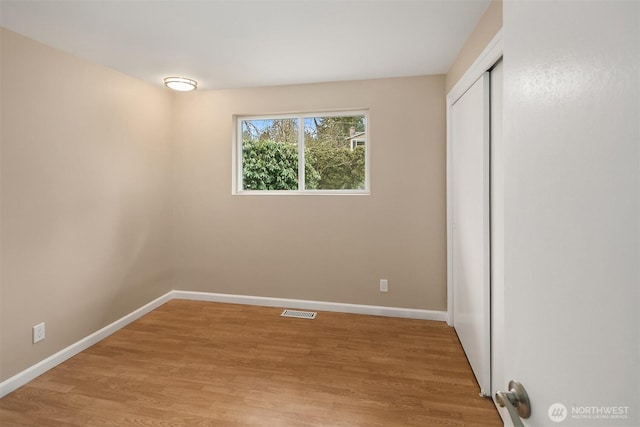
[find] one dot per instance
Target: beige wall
(85, 198)
(490, 23)
(328, 248)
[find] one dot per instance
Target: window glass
(270, 154)
(335, 152)
(303, 153)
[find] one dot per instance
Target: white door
(470, 227)
(498, 381)
(572, 214)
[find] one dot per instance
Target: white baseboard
(373, 310)
(22, 378)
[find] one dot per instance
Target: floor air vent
(299, 314)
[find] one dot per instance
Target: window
(303, 153)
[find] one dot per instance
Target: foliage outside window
(303, 153)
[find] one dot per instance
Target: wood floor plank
(192, 363)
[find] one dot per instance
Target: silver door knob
(516, 400)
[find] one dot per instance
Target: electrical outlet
(384, 285)
(38, 332)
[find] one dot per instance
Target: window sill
(302, 193)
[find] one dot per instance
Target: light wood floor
(207, 364)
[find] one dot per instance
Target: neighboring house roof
(355, 135)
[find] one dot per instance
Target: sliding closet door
(470, 232)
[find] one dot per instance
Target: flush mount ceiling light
(180, 83)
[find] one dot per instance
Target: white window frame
(237, 183)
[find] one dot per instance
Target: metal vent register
(299, 314)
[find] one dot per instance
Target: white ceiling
(242, 43)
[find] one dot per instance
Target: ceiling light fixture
(180, 83)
